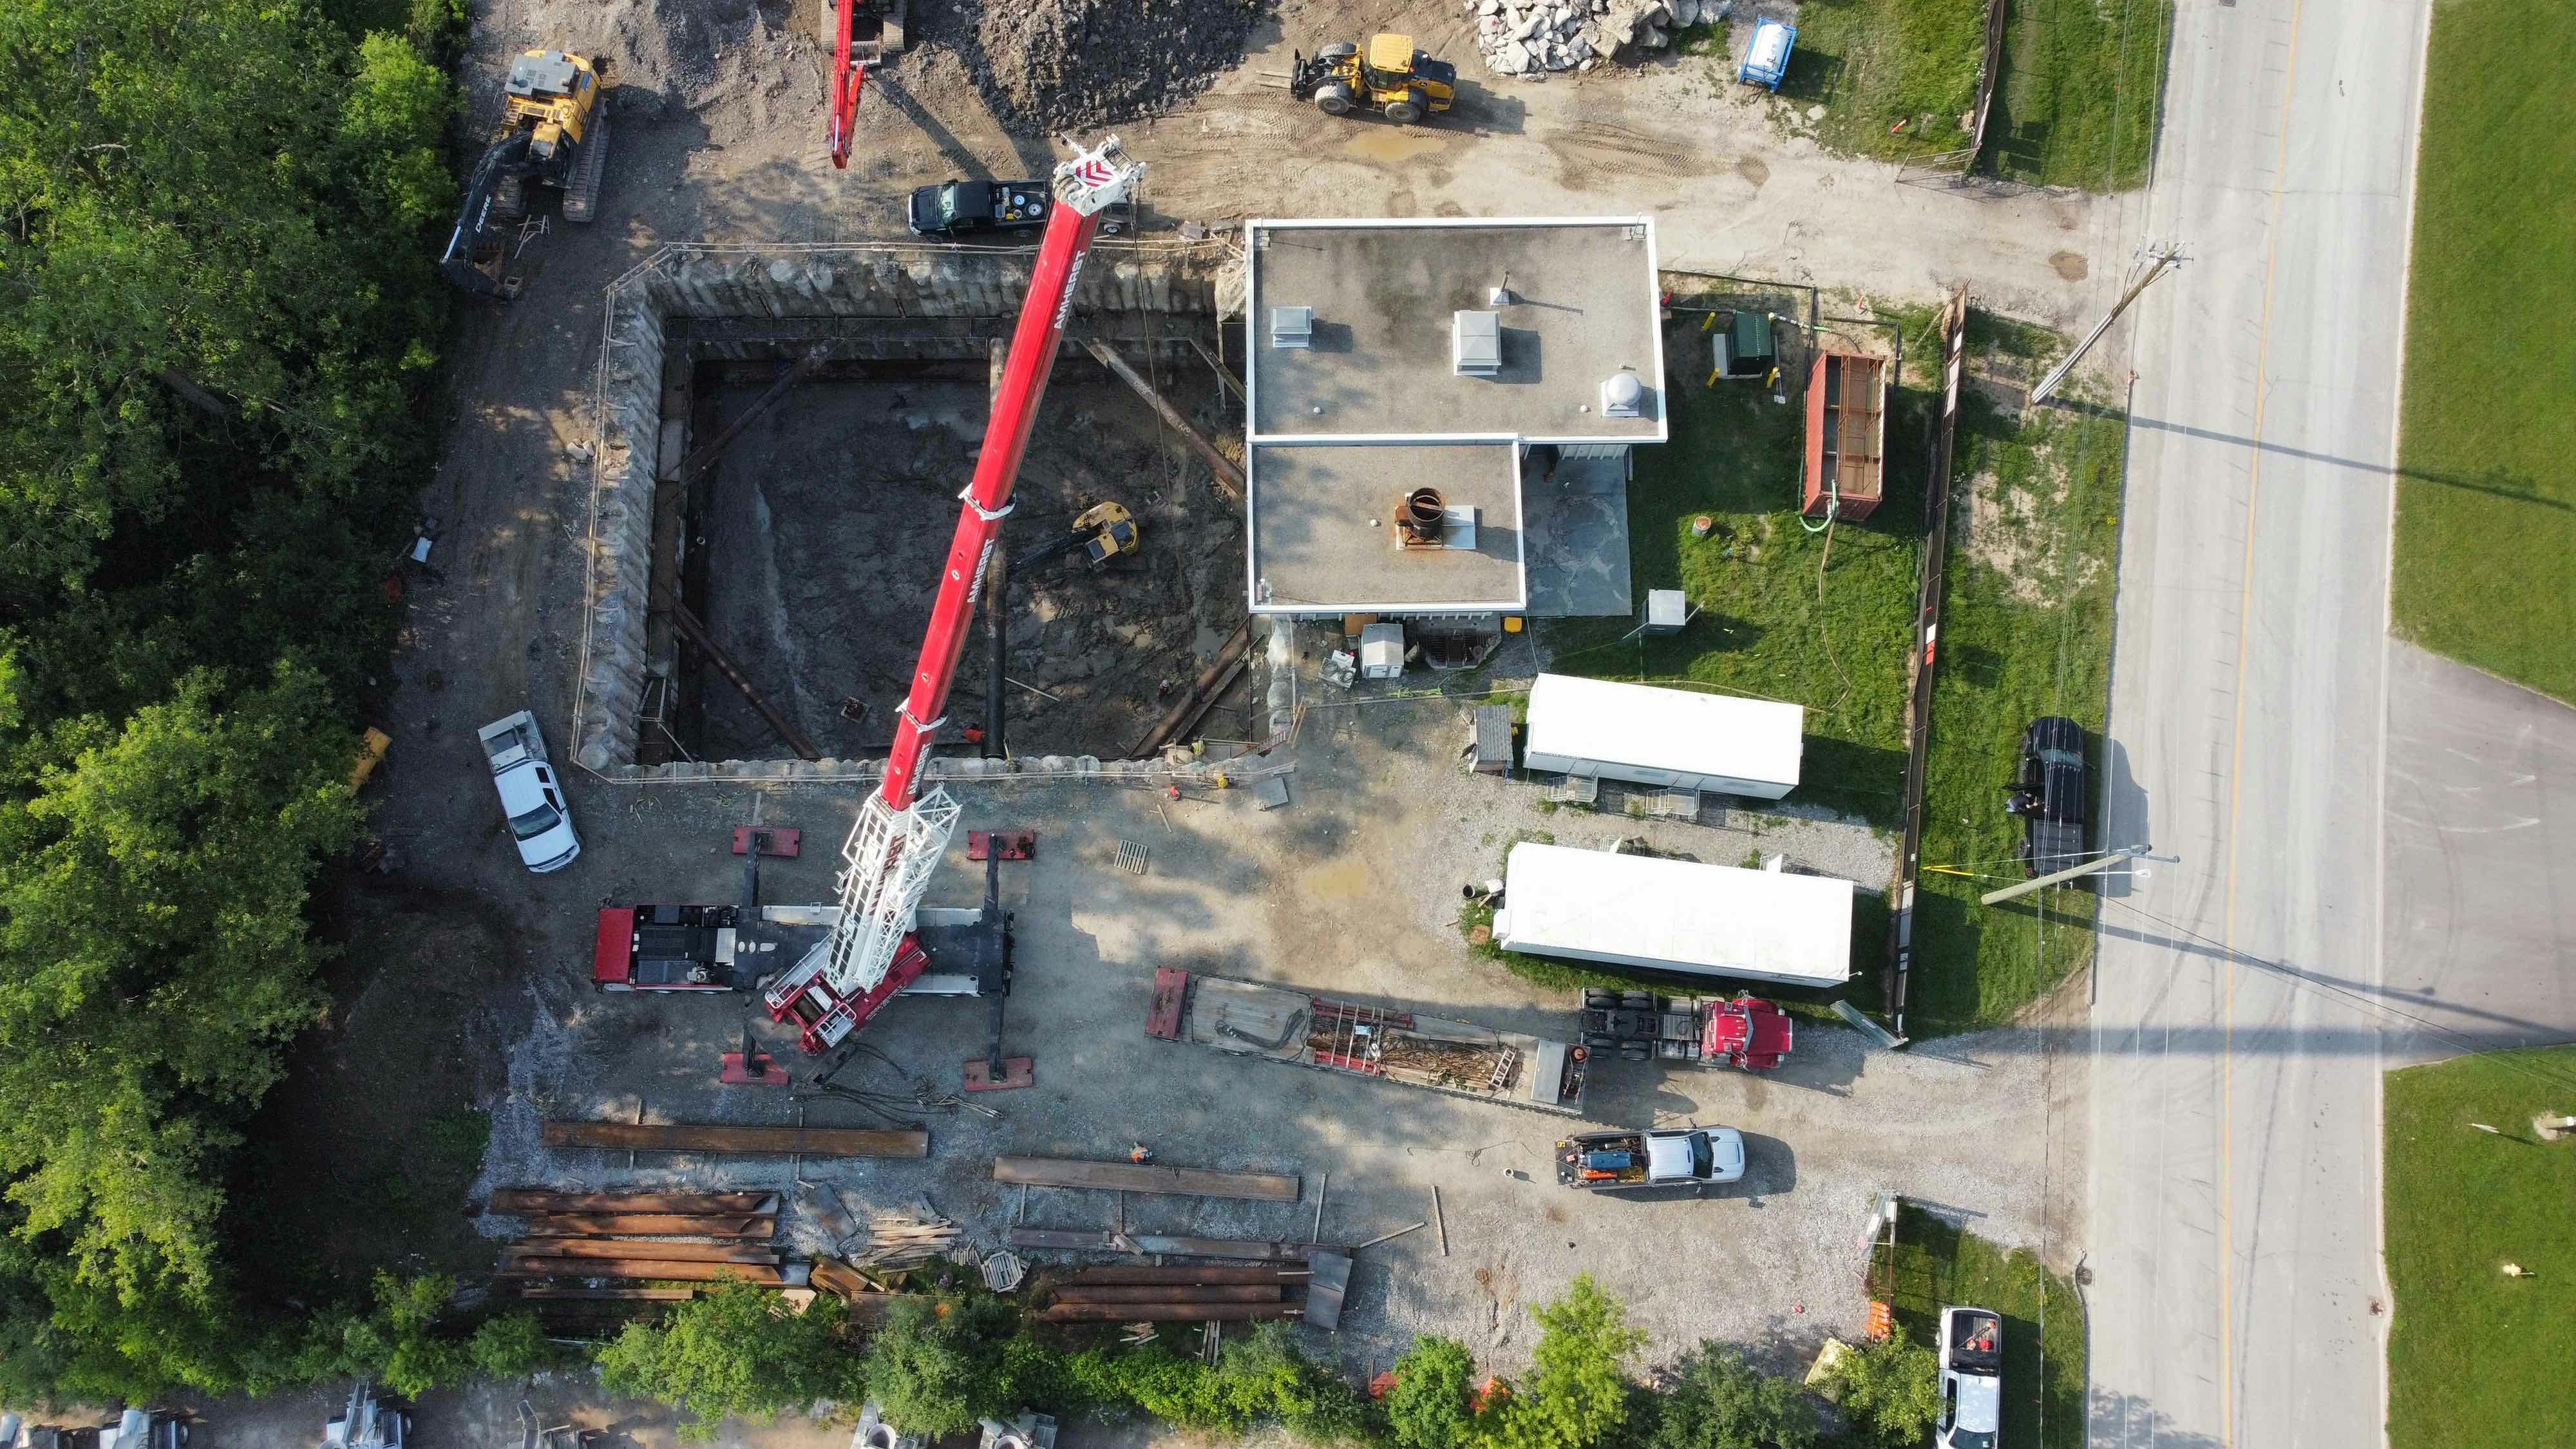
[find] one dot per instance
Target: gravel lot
(1349, 890)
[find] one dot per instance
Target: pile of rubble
(1529, 37)
(1047, 66)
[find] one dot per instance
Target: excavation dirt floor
(833, 515)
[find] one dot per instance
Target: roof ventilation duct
(1622, 396)
(1476, 344)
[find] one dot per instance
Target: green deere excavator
(554, 131)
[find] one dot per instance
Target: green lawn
(2025, 631)
(1935, 1265)
(2476, 1358)
(2486, 499)
(1873, 63)
(2076, 105)
(1778, 616)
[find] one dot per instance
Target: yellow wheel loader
(1393, 79)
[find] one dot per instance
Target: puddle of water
(1344, 879)
(1389, 146)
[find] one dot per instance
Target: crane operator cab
(1393, 79)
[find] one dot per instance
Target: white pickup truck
(1654, 1157)
(531, 799)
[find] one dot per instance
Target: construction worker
(1140, 1154)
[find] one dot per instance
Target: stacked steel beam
(1228, 1293)
(604, 1245)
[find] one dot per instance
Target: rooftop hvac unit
(1292, 327)
(1476, 343)
(1622, 396)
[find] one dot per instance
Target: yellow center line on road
(2236, 769)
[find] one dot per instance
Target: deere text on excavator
(1394, 79)
(554, 131)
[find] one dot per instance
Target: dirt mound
(1048, 66)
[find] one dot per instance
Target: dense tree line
(937, 1364)
(219, 328)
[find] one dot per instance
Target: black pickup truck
(964, 208)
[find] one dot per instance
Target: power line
(2361, 1001)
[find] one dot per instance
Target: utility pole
(2160, 260)
(2134, 852)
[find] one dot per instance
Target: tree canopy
(219, 321)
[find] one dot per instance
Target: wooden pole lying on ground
(794, 738)
(1122, 1273)
(1442, 1219)
(1169, 1292)
(632, 1248)
(1214, 680)
(1168, 1312)
(1382, 1237)
(547, 1200)
(647, 1268)
(683, 1137)
(1139, 1177)
(1095, 1242)
(649, 1225)
(705, 454)
(1229, 475)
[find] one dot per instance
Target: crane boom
(848, 77)
(896, 844)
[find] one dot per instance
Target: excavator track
(581, 194)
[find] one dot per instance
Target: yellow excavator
(554, 131)
(1103, 531)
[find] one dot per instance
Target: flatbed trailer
(1283, 1024)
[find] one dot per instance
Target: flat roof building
(1504, 365)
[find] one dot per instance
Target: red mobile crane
(848, 78)
(901, 832)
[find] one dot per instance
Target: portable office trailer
(1846, 435)
(1715, 743)
(1676, 915)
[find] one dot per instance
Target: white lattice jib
(886, 870)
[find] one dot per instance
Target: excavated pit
(804, 556)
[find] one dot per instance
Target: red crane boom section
(1067, 241)
(847, 80)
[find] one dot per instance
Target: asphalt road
(2481, 915)
(2235, 1178)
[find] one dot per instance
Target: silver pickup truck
(531, 798)
(1653, 1157)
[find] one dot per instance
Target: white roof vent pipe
(1622, 396)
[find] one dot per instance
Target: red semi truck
(1744, 1032)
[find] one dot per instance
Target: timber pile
(1218, 1293)
(901, 1240)
(586, 1247)
(1446, 1063)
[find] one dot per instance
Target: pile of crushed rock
(1528, 37)
(1051, 66)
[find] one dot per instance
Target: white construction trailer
(1717, 744)
(1676, 915)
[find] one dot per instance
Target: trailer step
(581, 198)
